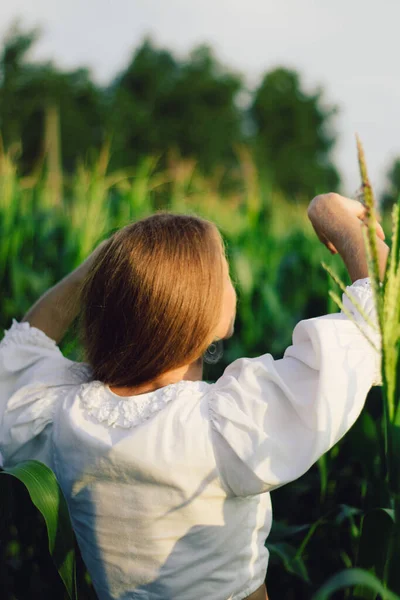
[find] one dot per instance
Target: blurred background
(240, 113)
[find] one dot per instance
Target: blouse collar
(126, 412)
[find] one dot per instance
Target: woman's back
(169, 491)
(146, 500)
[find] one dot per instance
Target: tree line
(158, 103)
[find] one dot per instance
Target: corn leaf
(289, 557)
(47, 496)
(350, 578)
(375, 542)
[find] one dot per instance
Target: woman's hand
(338, 223)
(326, 212)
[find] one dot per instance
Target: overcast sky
(350, 47)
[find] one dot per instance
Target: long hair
(153, 299)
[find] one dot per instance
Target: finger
(379, 231)
(378, 227)
(322, 238)
(331, 248)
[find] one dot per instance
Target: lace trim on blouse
(133, 410)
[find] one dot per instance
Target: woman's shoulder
(30, 357)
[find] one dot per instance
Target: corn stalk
(384, 523)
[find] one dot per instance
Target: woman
(167, 477)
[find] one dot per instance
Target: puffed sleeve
(32, 371)
(272, 419)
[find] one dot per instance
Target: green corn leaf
(308, 537)
(390, 335)
(350, 578)
(281, 531)
(374, 548)
(47, 496)
(393, 258)
(291, 561)
(323, 475)
(390, 292)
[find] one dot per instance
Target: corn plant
(379, 543)
(48, 498)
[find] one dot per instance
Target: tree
(294, 137)
(135, 99)
(392, 192)
(12, 58)
(159, 103)
(27, 90)
(205, 120)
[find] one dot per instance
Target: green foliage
(47, 496)
(379, 543)
(292, 128)
(158, 104)
(351, 578)
(391, 194)
(374, 549)
(27, 90)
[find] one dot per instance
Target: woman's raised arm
(272, 419)
(55, 310)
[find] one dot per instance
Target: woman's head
(157, 296)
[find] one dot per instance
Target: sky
(347, 47)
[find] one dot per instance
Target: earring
(214, 352)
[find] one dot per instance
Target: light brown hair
(153, 299)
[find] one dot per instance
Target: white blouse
(169, 491)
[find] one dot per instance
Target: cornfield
(339, 522)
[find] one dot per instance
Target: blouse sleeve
(272, 419)
(32, 368)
